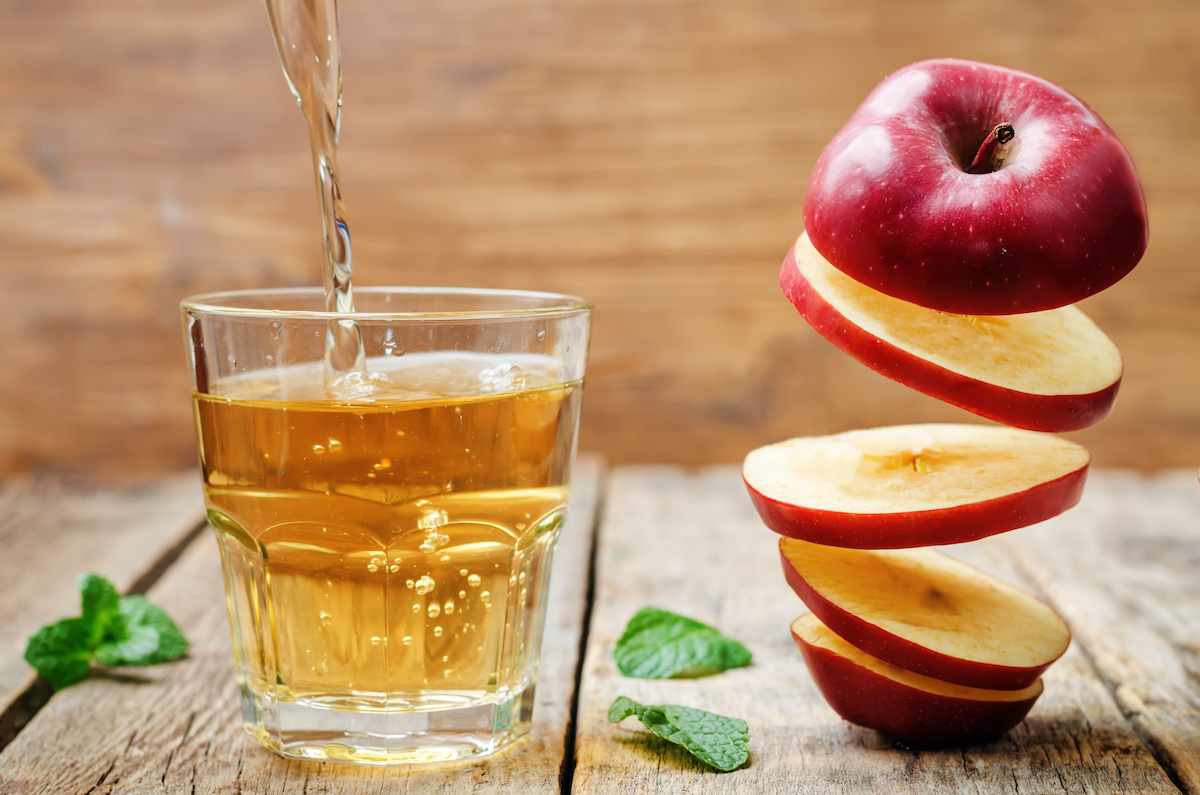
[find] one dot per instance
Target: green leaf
(143, 619)
(113, 630)
(135, 646)
(99, 604)
(714, 739)
(61, 652)
(659, 644)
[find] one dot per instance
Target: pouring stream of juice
(306, 36)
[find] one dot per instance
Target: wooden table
(1121, 712)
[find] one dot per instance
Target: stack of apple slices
(926, 289)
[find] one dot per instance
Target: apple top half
(1055, 214)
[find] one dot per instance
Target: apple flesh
(1058, 214)
(926, 612)
(917, 710)
(913, 485)
(1044, 371)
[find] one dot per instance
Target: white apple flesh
(926, 612)
(1058, 214)
(913, 485)
(917, 710)
(1045, 371)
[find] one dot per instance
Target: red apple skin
(915, 717)
(902, 653)
(1051, 413)
(922, 528)
(891, 205)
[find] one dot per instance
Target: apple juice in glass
(387, 538)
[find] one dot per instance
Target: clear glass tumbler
(387, 530)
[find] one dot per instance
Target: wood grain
(51, 534)
(651, 156)
(177, 727)
(1124, 570)
(690, 542)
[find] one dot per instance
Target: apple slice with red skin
(1044, 371)
(926, 612)
(917, 710)
(913, 485)
(977, 189)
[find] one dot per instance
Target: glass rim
(221, 303)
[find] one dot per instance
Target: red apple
(926, 612)
(1043, 371)
(1056, 214)
(913, 485)
(915, 709)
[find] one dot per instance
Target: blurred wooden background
(648, 154)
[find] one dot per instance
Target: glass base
(446, 727)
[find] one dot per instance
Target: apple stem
(989, 157)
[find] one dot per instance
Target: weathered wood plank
(51, 534)
(1124, 570)
(650, 155)
(177, 727)
(691, 542)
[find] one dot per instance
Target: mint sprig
(112, 630)
(659, 644)
(714, 739)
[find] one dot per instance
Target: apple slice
(928, 613)
(1044, 371)
(913, 485)
(917, 710)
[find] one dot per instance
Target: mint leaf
(113, 630)
(151, 636)
(133, 646)
(659, 644)
(99, 603)
(61, 652)
(713, 739)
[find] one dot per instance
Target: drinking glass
(386, 531)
